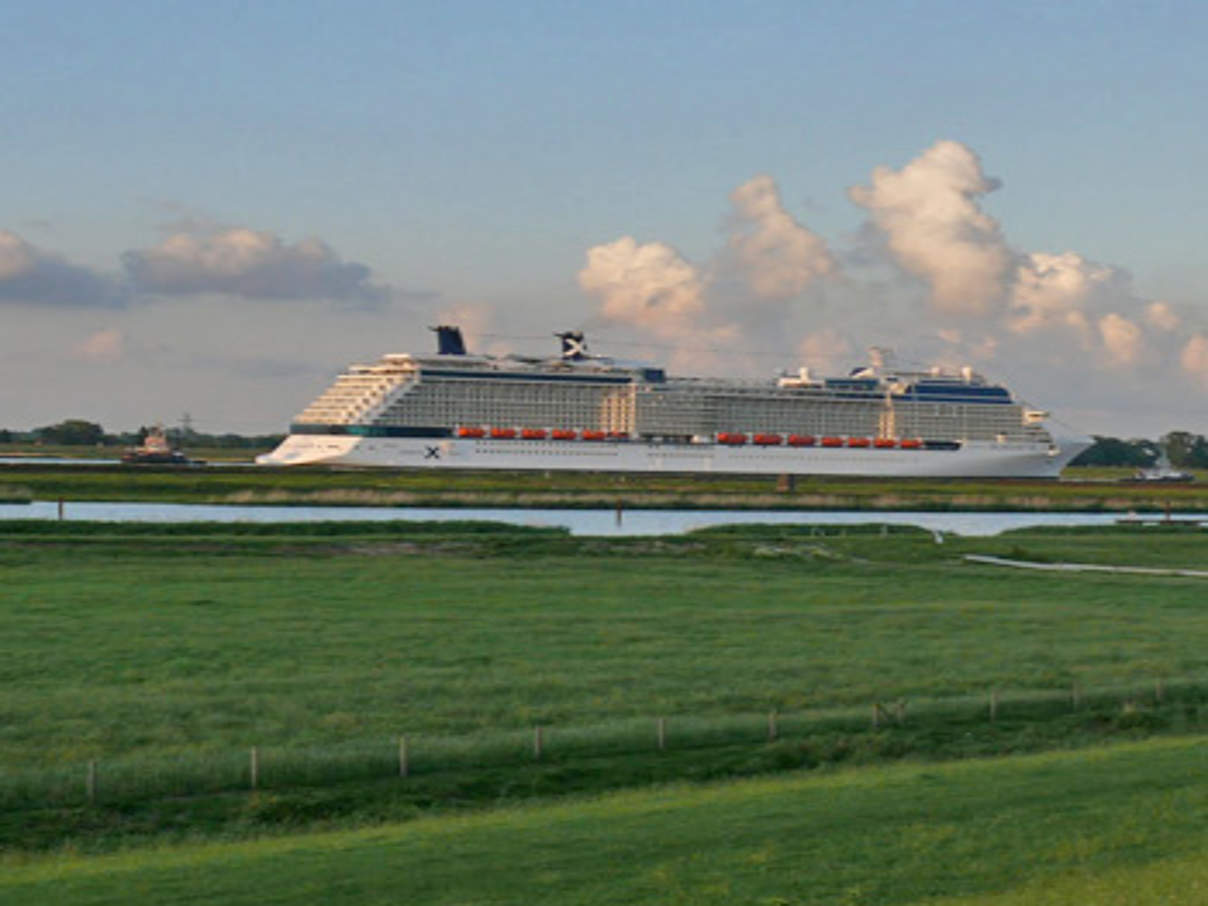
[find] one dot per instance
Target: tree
(74, 431)
(1186, 450)
(1111, 451)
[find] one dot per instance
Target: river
(580, 522)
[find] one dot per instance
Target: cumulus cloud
(250, 264)
(935, 229)
(103, 347)
(34, 276)
(1053, 291)
(1161, 316)
(649, 285)
(1194, 357)
(1122, 339)
(779, 257)
(826, 351)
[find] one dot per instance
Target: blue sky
(469, 155)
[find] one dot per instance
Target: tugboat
(156, 450)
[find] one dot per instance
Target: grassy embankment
(165, 652)
(1127, 825)
(555, 489)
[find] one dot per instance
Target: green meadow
(1122, 825)
(163, 654)
(174, 643)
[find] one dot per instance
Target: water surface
(580, 522)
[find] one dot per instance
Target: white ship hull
(974, 459)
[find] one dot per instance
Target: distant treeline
(1183, 449)
(79, 432)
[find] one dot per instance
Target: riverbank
(1083, 491)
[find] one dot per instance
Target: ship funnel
(574, 347)
(448, 340)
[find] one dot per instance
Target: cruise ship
(578, 411)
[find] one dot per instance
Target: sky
(214, 208)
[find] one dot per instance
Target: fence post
(772, 726)
(993, 704)
(90, 783)
(537, 743)
(255, 766)
(402, 756)
(661, 728)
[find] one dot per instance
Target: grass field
(229, 646)
(1122, 825)
(165, 652)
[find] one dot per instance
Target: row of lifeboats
(475, 432)
(736, 439)
(728, 438)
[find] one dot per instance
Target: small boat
(503, 433)
(156, 450)
(767, 440)
(533, 433)
(732, 438)
(563, 434)
(832, 441)
(884, 443)
(470, 431)
(591, 434)
(802, 440)
(858, 442)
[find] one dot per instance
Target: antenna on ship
(574, 346)
(448, 340)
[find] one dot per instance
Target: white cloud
(103, 347)
(648, 285)
(779, 257)
(250, 264)
(826, 351)
(1161, 316)
(1194, 357)
(935, 229)
(1053, 291)
(1122, 339)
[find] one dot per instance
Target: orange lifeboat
(911, 443)
(801, 440)
(859, 442)
(732, 438)
(503, 433)
(767, 440)
(884, 443)
(832, 441)
(470, 431)
(563, 434)
(533, 433)
(593, 435)
(618, 435)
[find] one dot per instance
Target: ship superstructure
(579, 411)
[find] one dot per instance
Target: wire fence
(408, 756)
